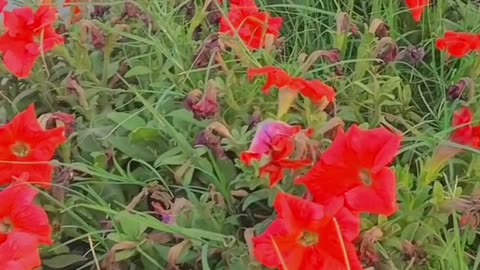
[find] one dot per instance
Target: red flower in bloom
(26, 148)
(465, 133)
(355, 167)
(276, 140)
(250, 24)
(3, 4)
(19, 214)
(307, 236)
(28, 35)
(459, 44)
(276, 77)
(417, 7)
(19, 252)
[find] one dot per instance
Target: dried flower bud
(254, 119)
(98, 39)
(99, 11)
(192, 98)
(411, 55)
(456, 91)
(212, 142)
(368, 252)
(344, 25)
(415, 253)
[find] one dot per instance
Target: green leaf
(64, 260)
(138, 71)
(129, 225)
(132, 150)
(144, 134)
(255, 197)
(126, 120)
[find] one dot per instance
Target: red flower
(459, 44)
(465, 133)
(19, 214)
(276, 140)
(276, 77)
(26, 148)
(3, 4)
(417, 7)
(307, 236)
(250, 24)
(19, 252)
(28, 35)
(355, 167)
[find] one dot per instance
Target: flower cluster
(28, 35)
(25, 150)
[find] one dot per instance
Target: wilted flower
(331, 56)
(368, 239)
(212, 142)
(379, 28)
(98, 38)
(386, 50)
(58, 119)
(169, 213)
(412, 55)
(210, 47)
(345, 26)
(255, 118)
(456, 91)
(414, 252)
(99, 11)
(206, 106)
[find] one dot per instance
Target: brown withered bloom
(99, 11)
(344, 25)
(368, 240)
(469, 207)
(331, 56)
(213, 142)
(379, 28)
(414, 253)
(411, 55)
(457, 90)
(386, 50)
(98, 39)
(254, 119)
(62, 179)
(205, 107)
(210, 47)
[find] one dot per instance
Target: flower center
(21, 149)
(366, 177)
(5, 226)
(309, 239)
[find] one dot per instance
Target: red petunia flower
(28, 35)
(459, 44)
(19, 214)
(465, 133)
(250, 24)
(355, 167)
(3, 4)
(276, 77)
(276, 141)
(19, 252)
(307, 236)
(26, 148)
(417, 8)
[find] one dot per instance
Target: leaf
(138, 71)
(129, 225)
(255, 197)
(144, 134)
(126, 120)
(132, 150)
(64, 260)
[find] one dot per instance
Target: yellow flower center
(6, 226)
(366, 177)
(21, 149)
(309, 239)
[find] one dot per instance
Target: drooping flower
(456, 91)
(203, 105)
(28, 35)
(19, 252)
(274, 141)
(307, 236)
(27, 148)
(251, 25)
(316, 90)
(417, 8)
(411, 55)
(355, 167)
(459, 44)
(18, 213)
(465, 133)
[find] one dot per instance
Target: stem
(344, 248)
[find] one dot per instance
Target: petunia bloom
(28, 35)
(18, 213)
(19, 252)
(465, 133)
(3, 4)
(25, 147)
(275, 141)
(316, 90)
(417, 8)
(355, 167)
(251, 25)
(459, 44)
(307, 236)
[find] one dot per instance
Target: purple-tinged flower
(386, 50)
(456, 91)
(212, 142)
(411, 55)
(205, 107)
(379, 28)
